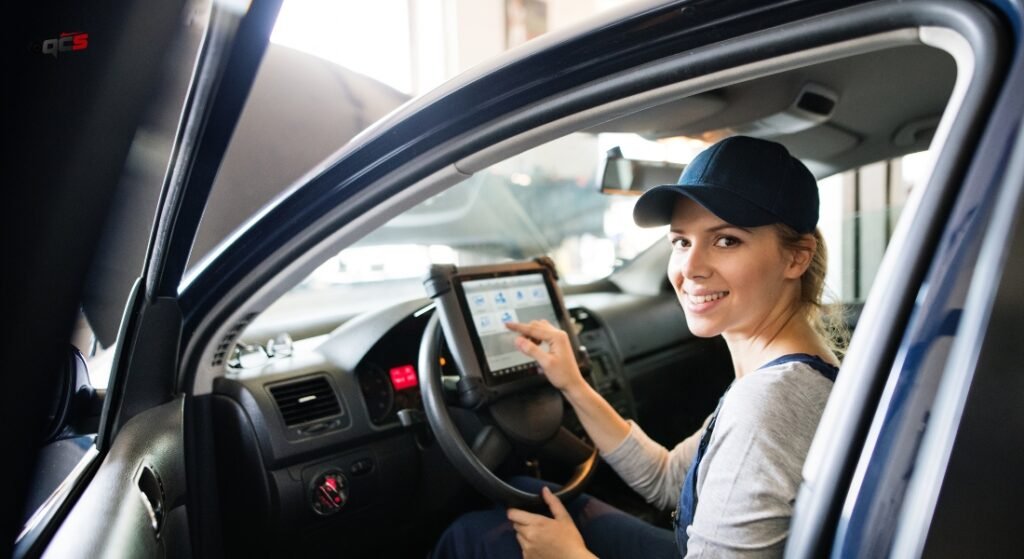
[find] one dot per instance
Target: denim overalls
(683, 515)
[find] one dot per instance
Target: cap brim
(656, 205)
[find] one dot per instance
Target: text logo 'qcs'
(66, 42)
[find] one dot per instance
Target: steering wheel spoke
(491, 447)
(566, 448)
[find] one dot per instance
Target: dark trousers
(608, 532)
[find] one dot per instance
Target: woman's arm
(653, 471)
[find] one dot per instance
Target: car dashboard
(333, 435)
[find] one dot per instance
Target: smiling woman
(734, 277)
(720, 221)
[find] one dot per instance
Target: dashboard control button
(328, 492)
(361, 467)
(321, 427)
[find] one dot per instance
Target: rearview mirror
(633, 177)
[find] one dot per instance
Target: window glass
(334, 68)
(545, 201)
(859, 211)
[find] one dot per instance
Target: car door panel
(134, 506)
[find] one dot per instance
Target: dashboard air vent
(305, 400)
(220, 355)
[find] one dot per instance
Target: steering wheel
(530, 418)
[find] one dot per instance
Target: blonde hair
(829, 322)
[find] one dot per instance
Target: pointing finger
(529, 348)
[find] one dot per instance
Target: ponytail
(828, 321)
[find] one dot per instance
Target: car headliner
(879, 94)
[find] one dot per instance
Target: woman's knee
(484, 533)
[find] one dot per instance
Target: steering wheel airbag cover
(532, 418)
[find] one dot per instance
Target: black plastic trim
(149, 359)
(229, 59)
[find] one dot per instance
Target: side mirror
(633, 177)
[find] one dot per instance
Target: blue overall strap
(826, 369)
(684, 513)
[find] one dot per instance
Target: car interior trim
(229, 59)
(34, 528)
(658, 96)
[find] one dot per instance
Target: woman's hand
(604, 425)
(542, 537)
(558, 362)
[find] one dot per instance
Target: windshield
(545, 201)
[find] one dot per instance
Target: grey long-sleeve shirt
(748, 479)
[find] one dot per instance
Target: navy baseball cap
(745, 181)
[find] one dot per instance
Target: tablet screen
(494, 301)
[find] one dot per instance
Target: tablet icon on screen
(500, 299)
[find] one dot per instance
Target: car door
(913, 474)
(149, 491)
(877, 493)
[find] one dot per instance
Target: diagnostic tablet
(474, 303)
